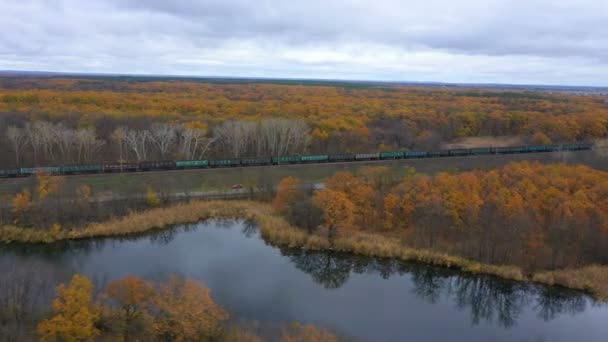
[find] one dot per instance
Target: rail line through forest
(149, 166)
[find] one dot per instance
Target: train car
(415, 154)
(120, 167)
(367, 156)
(256, 161)
(438, 153)
(191, 164)
(157, 165)
(458, 152)
(321, 158)
(540, 148)
(225, 163)
(341, 157)
(501, 150)
(80, 169)
(48, 170)
(519, 149)
(287, 160)
(5, 173)
(480, 150)
(391, 155)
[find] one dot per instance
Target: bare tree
(281, 136)
(193, 142)
(88, 144)
(235, 136)
(138, 141)
(18, 139)
(163, 136)
(119, 136)
(34, 140)
(66, 139)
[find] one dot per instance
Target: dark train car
(341, 157)
(120, 167)
(256, 161)
(458, 152)
(80, 169)
(438, 153)
(225, 163)
(157, 165)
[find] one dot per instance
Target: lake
(364, 298)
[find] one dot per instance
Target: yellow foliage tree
(47, 185)
(152, 198)
(75, 313)
(186, 311)
(22, 202)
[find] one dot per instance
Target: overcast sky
(490, 41)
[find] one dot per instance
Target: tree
(185, 311)
(47, 185)
(132, 298)
(338, 210)
(75, 314)
(22, 202)
(138, 141)
(18, 139)
(288, 192)
(193, 143)
(87, 144)
(119, 136)
(234, 136)
(163, 136)
(152, 198)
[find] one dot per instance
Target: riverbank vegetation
(58, 121)
(525, 221)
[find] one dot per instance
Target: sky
(553, 42)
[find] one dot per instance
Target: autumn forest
(532, 220)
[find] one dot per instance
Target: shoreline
(275, 229)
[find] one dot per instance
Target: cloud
(513, 41)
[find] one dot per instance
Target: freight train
(279, 160)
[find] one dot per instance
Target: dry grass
(277, 230)
(139, 222)
(592, 278)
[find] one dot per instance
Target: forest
(535, 216)
(71, 120)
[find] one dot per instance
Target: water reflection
(487, 298)
(484, 298)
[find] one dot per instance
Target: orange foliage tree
(186, 311)
(289, 191)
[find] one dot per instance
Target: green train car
(191, 164)
(286, 160)
(73, 169)
(392, 155)
(315, 158)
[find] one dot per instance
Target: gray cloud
(522, 41)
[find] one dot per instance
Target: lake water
(370, 299)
